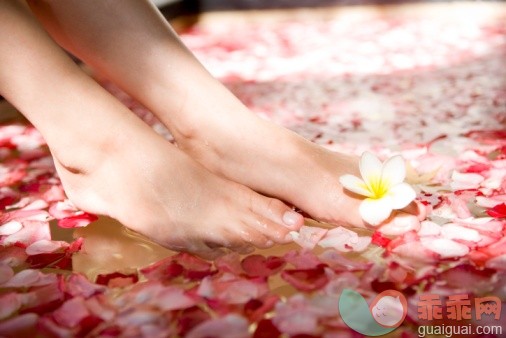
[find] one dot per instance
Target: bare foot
(234, 143)
(157, 190)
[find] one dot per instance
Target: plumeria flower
(382, 184)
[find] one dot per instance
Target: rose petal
(230, 326)
(428, 228)
(498, 211)
(191, 318)
(338, 262)
(462, 181)
(302, 259)
(375, 211)
(454, 231)
(24, 325)
(9, 303)
(170, 299)
(45, 246)
(71, 313)
(260, 266)
(308, 236)
(10, 228)
(306, 280)
(446, 248)
(78, 285)
(77, 221)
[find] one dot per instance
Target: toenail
(269, 243)
(291, 218)
(289, 238)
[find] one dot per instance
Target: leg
(143, 55)
(111, 163)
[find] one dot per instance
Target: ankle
(81, 152)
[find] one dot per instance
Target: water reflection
(109, 247)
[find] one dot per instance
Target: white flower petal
(370, 168)
(375, 211)
(394, 171)
(355, 184)
(401, 195)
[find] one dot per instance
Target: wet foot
(231, 141)
(155, 189)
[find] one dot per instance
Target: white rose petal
(446, 248)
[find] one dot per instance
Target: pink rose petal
(10, 228)
(302, 259)
(71, 313)
(45, 246)
(454, 231)
(9, 304)
(461, 181)
(446, 248)
(308, 237)
(79, 286)
(230, 326)
(24, 325)
(344, 240)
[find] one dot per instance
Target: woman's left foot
(233, 142)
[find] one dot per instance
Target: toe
(278, 212)
(273, 231)
(254, 237)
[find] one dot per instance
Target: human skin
(111, 163)
(135, 47)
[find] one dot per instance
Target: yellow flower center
(378, 187)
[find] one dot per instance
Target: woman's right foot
(111, 163)
(155, 189)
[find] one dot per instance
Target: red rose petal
(194, 267)
(306, 280)
(499, 211)
(260, 266)
(379, 240)
(163, 270)
(266, 329)
(117, 279)
(255, 309)
(190, 318)
(77, 221)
